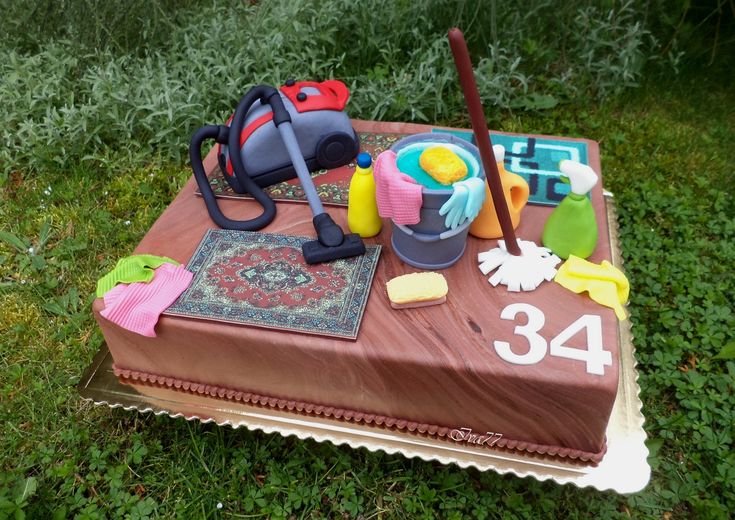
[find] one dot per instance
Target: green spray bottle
(571, 228)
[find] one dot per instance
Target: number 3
(537, 343)
(595, 357)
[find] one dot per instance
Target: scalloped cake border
(349, 415)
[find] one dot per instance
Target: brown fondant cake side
(487, 440)
(433, 365)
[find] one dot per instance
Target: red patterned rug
(261, 279)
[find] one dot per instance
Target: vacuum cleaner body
(264, 117)
(323, 130)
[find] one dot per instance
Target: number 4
(595, 356)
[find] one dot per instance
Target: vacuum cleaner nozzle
(331, 243)
(315, 252)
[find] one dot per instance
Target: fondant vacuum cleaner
(259, 147)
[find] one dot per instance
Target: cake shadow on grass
(504, 445)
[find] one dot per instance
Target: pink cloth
(112, 295)
(136, 307)
(398, 195)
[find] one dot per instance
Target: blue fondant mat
(536, 159)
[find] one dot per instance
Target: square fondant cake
(532, 371)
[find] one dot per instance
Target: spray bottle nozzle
(579, 176)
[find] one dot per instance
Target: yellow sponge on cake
(443, 165)
(417, 290)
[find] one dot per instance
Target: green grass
(667, 152)
(116, 105)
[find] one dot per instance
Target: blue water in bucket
(408, 162)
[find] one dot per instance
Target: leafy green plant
(88, 99)
(596, 32)
(727, 352)
(91, 24)
(14, 499)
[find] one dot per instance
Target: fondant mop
(522, 264)
(522, 272)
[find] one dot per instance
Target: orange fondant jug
(515, 189)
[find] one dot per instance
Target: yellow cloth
(605, 284)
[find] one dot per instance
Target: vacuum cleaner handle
(225, 135)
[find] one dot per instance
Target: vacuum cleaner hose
(220, 134)
(268, 96)
(231, 137)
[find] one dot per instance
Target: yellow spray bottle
(362, 208)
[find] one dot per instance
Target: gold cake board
(624, 468)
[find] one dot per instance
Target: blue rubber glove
(454, 208)
(475, 197)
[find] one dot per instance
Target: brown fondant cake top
(463, 329)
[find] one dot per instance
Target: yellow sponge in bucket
(443, 165)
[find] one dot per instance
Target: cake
(490, 368)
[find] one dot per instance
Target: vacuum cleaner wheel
(336, 149)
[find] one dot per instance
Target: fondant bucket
(430, 244)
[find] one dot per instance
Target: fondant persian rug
(262, 280)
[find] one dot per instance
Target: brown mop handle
(482, 136)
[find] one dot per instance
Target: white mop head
(520, 273)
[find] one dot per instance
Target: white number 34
(595, 356)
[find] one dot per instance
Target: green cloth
(136, 268)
